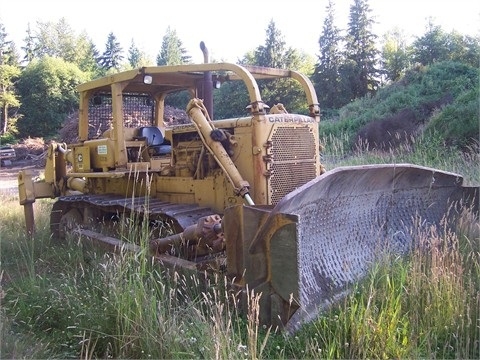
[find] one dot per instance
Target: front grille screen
(294, 155)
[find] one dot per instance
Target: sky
(229, 28)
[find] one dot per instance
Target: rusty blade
(347, 219)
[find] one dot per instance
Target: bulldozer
(247, 197)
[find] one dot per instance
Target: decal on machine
(102, 150)
(291, 119)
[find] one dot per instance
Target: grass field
(70, 302)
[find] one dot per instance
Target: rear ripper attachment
(244, 196)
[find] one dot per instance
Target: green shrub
(425, 90)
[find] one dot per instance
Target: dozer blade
(324, 236)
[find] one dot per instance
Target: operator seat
(156, 143)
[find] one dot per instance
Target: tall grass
(428, 151)
(74, 302)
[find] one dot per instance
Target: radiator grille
(294, 154)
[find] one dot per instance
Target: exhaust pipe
(207, 83)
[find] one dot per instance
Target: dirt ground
(9, 174)
(30, 154)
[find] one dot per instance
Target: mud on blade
(304, 254)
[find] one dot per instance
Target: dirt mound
(174, 116)
(30, 148)
(400, 128)
(30, 155)
(389, 133)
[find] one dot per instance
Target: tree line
(38, 90)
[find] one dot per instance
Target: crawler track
(179, 216)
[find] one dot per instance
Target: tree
(56, 39)
(274, 53)
(87, 56)
(360, 75)
(326, 76)
(136, 57)
(67, 43)
(59, 40)
(30, 47)
(8, 98)
(464, 49)
(48, 88)
(395, 58)
(471, 54)
(431, 46)
(436, 45)
(112, 56)
(172, 51)
(231, 100)
(9, 72)
(8, 52)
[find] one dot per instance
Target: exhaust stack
(207, 83)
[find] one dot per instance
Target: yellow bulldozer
(246, 197)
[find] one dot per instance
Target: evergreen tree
(274, 53)
(56, 40)
(360, 75)
(13, 55)
(8, 51)
(134, 55)
(30, 47)
(46, 40)
(112, 56)
(87, 56)
(67, 44)
(431, 46)
(172, 51)
(326, 77)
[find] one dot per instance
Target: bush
(427, 91)
(458, 122)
